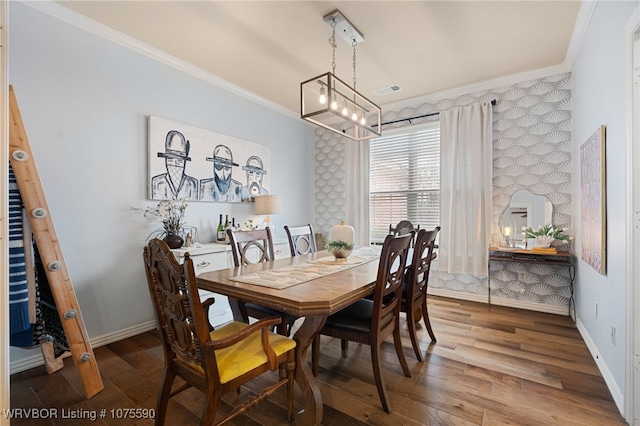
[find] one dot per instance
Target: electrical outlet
(595, 309)
(522, 276)
(613, 334)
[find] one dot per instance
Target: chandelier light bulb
(354, 116)
(363, 120)
(334, 104)
(345, 111)
(323, 97)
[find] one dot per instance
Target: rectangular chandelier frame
(331, 103)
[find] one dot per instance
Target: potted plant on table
(171, 212)
(340, 249)
(545, 235)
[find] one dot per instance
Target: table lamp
(506, 232)
(268, 205)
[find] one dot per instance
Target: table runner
(289, 276)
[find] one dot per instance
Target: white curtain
(465, 189)
(356, 155)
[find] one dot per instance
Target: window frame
(410, 210)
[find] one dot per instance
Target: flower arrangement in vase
(545, 235)
(171, 212)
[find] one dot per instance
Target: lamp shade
(268, 204)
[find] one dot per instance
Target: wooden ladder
(41, 222)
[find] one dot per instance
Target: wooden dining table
(311, 300)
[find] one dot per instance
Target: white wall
(84, 102)
(600, 96)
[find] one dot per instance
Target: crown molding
(579, 29)
(486, 85)
(71, 17)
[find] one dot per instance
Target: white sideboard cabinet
(213, 256)
(209, 257)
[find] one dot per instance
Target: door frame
(632, 367)
(4, 214)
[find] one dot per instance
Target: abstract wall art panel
(593, 201)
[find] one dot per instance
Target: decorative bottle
(221, 235)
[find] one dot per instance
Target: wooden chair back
(250, 247)
(423, 254)
(414, 302)
(302, 239)
(388, 291)
(402, 228)
(177, 305)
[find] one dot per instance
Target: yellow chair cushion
(247, 354)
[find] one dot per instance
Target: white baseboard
(531, 306)
(37, 360)
(616, 393)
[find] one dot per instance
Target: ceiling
(425, 47)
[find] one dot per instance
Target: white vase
(544, 240)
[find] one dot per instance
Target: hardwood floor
(499, 367)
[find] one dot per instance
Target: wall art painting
(593, 201)
(195, 164)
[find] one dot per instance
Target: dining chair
(402, 228)
(302, 239)
(215, 362)
(255, 246)
(371, 321)
(414, 288)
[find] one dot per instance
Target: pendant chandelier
(331, 103)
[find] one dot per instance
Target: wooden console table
(561, 258)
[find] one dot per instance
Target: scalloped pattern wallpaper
(531, 150)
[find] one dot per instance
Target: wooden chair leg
(425, 315)
(398, 344)
(282, 328)
(377, 374)
(211, 403)
(163, 396)
(315, 354)
(290, 322)
(344, 345)
(411, 326)
(417, 314)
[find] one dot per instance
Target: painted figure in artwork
(255, 173)
(221, 187)
(175, 183)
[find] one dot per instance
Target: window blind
(404, 180)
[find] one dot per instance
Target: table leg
(238, 310)
(311, 414)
